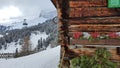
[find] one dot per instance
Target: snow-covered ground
(11, 48)
(1, 35)
(45, 59)
(35, 36)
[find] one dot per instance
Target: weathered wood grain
(86, 16)
(91, 52)
(95, 20)
(110, 42)
(92, 12)
(55, 2)
(118, 50)
(95, 28)
(63, 8)
(88, 3)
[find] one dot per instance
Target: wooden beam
(118, 50)
(110, 42)
(88, 3)
(95, 27)
(63, 7)
(63, 27)
(92, 12)
(94, 20)
(55, 2)
(91, 52)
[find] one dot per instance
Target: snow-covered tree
(40, 44)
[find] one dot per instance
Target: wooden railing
(7, 55)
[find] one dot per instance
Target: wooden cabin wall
(92, 15)
(86, 16)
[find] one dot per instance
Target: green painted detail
(113, 3)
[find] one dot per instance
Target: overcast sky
(28, 7)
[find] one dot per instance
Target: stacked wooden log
(87, 16)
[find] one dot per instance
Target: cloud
(29, 7)
(8, 12)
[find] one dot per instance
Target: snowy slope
(48, 14)
(35, 36)
(45, 59)
(11, 48)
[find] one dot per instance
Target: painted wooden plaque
(114, 3)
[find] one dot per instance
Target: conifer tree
(26, 47)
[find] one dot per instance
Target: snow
(1, 35)
(28, 8)
(49, 47)
(11, 48)
(45, 59)
(35, 21)
(35, 37)
(48, 14)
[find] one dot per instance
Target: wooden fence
(13, 55)
(7, 55)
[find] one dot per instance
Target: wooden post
(118, 50)
(63, 30)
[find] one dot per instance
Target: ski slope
(45, 59)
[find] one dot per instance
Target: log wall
(86, 16)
